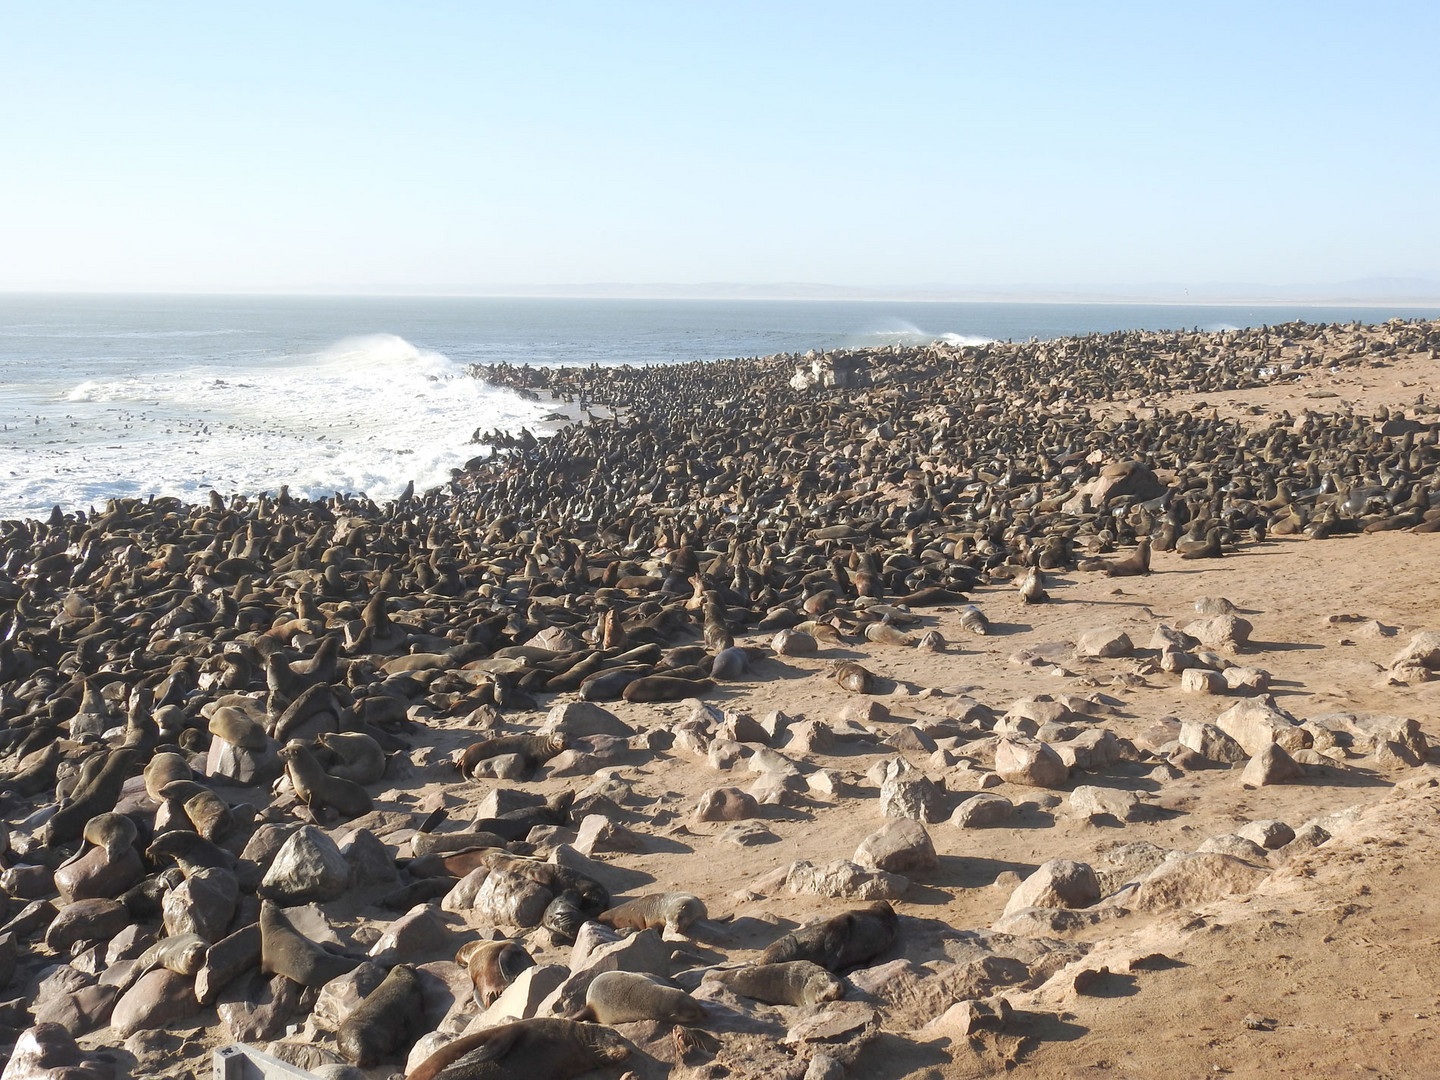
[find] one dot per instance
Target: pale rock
(1211, 743)
(521, 999)
(1089, 801)
(598, 833)
(1250, 680)
(1105, 642)
(1200, 681)
(1267, 834)
(338, 998)
(1228, 632)
(1272, 765)
(578, 719)
(1423, 649)
(1029, 763)
(1097, 748)
(511, 899)
(1193, 880)
(309, 867)
(844, 880)
(983, 812)
(1259, 723)
(906, 792)
(1059, 883)
(203, 904)
(901, 846)
(1234, 844)
(158, 998)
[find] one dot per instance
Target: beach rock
(908, 793)
(308, 868)
(81, 1011)
(805, 737)
(96, 874)
(1098, 748)
(202, 904)
(1423, 649)
(1104, 642)
(1228, 632)
(1234, 844)
(1059, 883)
(598, 833)
(1213, 605)
(1201, 681)
(419, 931)
(983, 812)
(85, 920)
(900, 847)
(339, 997)
(1211, 743)
(1194, 880)
(844, 880)
(1259, 723)
(160, 997)
(1246, 680)
(1029, 763)
(1272, 765)
(258, 1008)
(578, 719)
(1089, 801)
(1268, 834)
(511, 899)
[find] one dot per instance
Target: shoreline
(718, 548)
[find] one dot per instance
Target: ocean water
(104, 396)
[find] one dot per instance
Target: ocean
(106, 396)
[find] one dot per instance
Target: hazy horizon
(1017, 152)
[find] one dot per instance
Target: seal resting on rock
(386, 1022)
(317, 789)
(793, 982)
(546, 1048)
(623, 997)
(675, 912)
(493, 965)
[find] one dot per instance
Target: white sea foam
(905, 333)
(365, 414)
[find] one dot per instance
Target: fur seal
(116, 833)
(623, 997)
(1138, 562)
(792, 982)
(361, 760)
(317, 789)
(843, 941)
(674, 912)
(286, 951)
(666, 688)
(182, 954)
(386, 1023)
(493, 965)
(237, 729)
(851, 676)
(535, 749)
(542, 1047)
(163, 768)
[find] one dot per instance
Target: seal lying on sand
(539, 1048)
(844, 941)
(673, 911)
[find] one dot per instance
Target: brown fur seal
(848, 939)
(536, 1049)
(386, 1023)
(116, 833)
(794, 982)
(851, 676)
(317, 789)
(1138, 563)
(182, 954)
(286, 951)
(163, 768)
(362, 761)
(493, 965)
(98, 796)
(535, 749)
(666, 688)
(237, 729)
(623, 997)
(675, 912)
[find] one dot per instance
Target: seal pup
(673, 912)
(540, 1047)
(492, 965)
(360, 758)
(792, 982)
(317, 789)
(623, 997)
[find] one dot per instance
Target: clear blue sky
(354, 145)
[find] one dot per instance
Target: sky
(467, 146)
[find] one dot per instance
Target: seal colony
(485, 781)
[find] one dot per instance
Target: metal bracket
(241, 1062)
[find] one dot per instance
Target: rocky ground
(1177, 823)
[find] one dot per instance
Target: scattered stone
(1059, 883)
(901, 847)
(983, 812)
(1272, 765)
(1029, 763)
(1104, 642)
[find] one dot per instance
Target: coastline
(899, 488)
